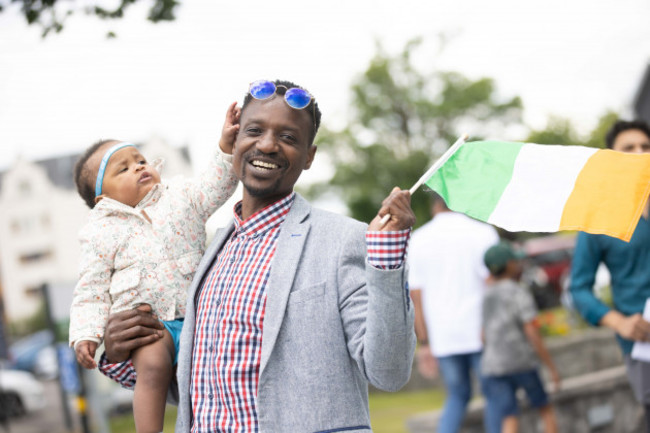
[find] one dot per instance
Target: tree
(50, 15)
(401, 121)
(559, 130)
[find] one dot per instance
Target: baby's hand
(230, 128)
(85, 352)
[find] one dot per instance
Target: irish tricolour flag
(546, 188)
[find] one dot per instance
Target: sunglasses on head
(295, 97)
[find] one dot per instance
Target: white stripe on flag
(542, 180)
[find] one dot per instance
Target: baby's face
(128, 177)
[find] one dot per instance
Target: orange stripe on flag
(609, 194)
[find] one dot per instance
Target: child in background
(140, 249)
(512, 345)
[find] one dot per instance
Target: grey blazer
(332, 324)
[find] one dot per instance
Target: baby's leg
(154, 367)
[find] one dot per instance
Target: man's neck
(251, 205)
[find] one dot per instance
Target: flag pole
(435, 167)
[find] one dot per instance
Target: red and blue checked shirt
(230, 318)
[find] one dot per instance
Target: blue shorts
(174, 327)
(501, 390)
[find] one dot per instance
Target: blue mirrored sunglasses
(294, 97)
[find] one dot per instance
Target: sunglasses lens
(297, 98)
(262, 89)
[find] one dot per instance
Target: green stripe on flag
(474, 178)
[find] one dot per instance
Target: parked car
(36, 354)
(20, 393)
(547, 267)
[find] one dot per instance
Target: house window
(35, 257)
(25, 187)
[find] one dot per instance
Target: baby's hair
(83, 177)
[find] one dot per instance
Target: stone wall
(595, 396)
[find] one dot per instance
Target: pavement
(47, 420)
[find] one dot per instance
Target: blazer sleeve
(376, 317)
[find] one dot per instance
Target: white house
(40, 216)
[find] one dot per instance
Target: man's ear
(311, 152)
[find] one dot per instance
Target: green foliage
(559, 130)
(597, 136)
(402, 119)
(29, 325)
(50, 15)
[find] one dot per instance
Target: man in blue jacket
(629, 266)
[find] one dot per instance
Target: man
(447, 280)
(629, 266)
(288, 317)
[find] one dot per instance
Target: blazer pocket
(307, 294)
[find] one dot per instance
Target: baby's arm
(230, 129)
(217, 183)
(91, 299)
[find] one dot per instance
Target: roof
(59, 169)
(641, 104)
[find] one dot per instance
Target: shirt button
(232, 260)
(210, 396)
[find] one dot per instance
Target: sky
(174, 80)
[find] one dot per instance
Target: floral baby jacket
(147, 253)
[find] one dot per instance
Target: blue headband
(104, 163)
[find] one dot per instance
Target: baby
(140, 249)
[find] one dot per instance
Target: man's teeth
(262, 164)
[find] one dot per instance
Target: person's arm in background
(531, 329)
(426, 363)
(527, 313)
(586, 259)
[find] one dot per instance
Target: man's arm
(586, 259)
(377, 314)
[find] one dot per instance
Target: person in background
(447, 281)
(512, 345)
(629, 266)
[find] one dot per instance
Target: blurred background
(397, 82)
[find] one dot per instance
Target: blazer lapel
(284, 266)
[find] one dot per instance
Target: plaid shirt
(230, 317)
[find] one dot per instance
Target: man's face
(128, 177)
(632, 141)
(272, 149)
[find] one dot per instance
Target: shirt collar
(264, 219)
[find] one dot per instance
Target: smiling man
(293, 310)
